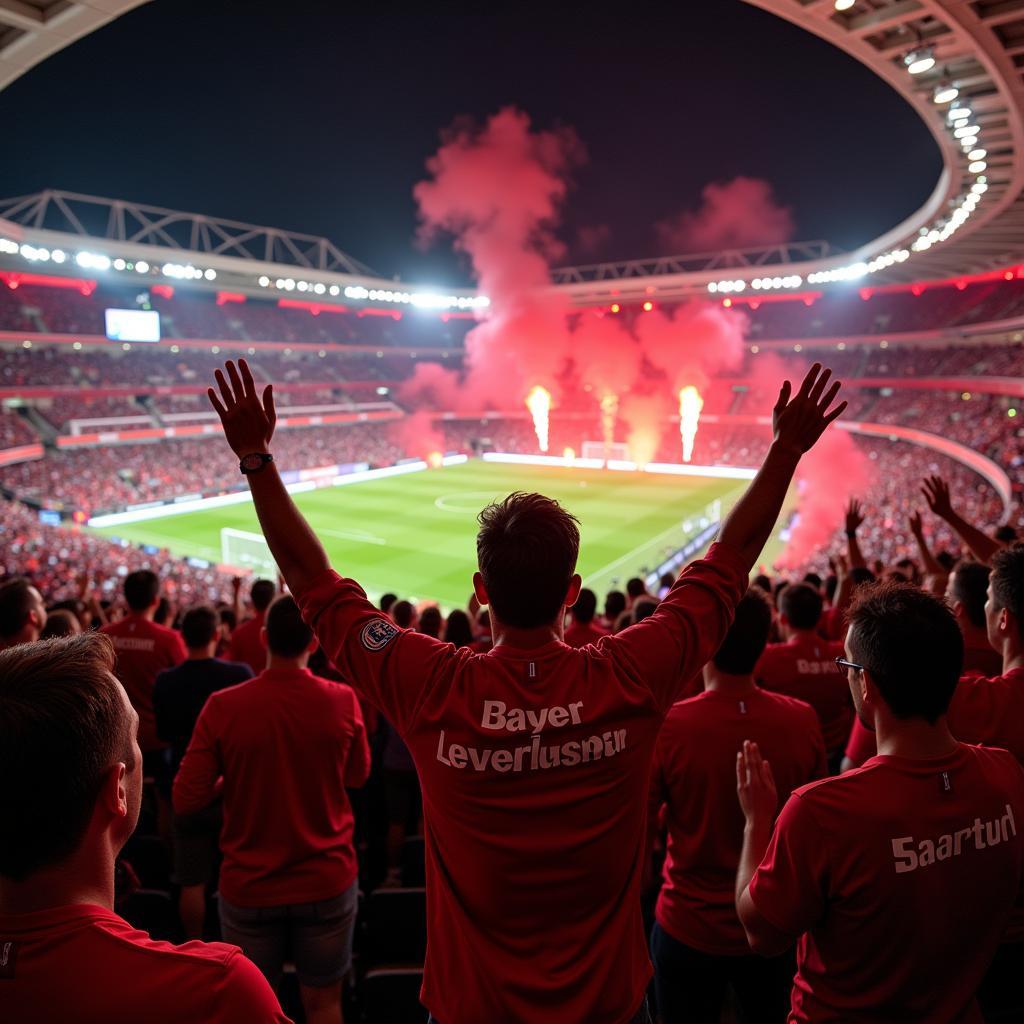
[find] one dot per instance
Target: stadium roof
(30, 30)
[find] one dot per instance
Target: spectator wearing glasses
(897, 878)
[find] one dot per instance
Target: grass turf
(414, 534)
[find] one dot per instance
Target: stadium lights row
(761, 284)
(422, 300)
(98, 261)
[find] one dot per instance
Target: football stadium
(730, 533)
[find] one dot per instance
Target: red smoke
(417, 434)
(734, 214)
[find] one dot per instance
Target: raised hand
(248, 420)
(936, 493)
(799, 421)
(854, 516)
(755, 785)
(915, 524)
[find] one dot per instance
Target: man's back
(902, 874)
(287, 744)
(534, 766)
(805, 668)
(579, 634)
(144, 649)
(695, 776)
(990, 711)
(83, 963)
(180, 693)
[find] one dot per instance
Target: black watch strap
(254, 462)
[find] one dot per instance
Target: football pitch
(415, 534)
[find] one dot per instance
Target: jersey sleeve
(245, 995)
(668, 648)
(819, 755)
(394, 669)
(788, 887)
(195, 785)
(357, 765)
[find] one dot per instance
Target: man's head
(142, 590)
(387, 602)
(22, 612)
(644, 608)
(614, 605)
(966, 592)
(1006, 535)
(60, 622)
(70, 762)
(404, 614)
(1004, 609)
(911, 650)
(286, 636)
(747, 636)
(800, 607)
(635, 588)
(527, 549)
(200, 629)
(585, 608)
(261, 593)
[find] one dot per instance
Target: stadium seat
(413, 867)
(391, 995)
(396, 927)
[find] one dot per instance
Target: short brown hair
(527, 549)
(747, 637)
(64, 723)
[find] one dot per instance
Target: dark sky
(320, 119)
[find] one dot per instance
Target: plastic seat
(391, 995)
(396, 927)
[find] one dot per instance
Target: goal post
(616, 451)
(247, 551)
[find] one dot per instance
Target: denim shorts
(316, 937)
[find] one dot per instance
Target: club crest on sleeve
(377, 633)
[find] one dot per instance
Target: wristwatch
(255, 462)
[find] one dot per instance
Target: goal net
(616, 451)
(247, 551)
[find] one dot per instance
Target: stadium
(638, 393)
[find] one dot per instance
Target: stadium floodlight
(8, 245)
(119, 264)
(334, 289)
(977, 166)
(977, 154)
(920, 61)
(844, 5)
(959, 111)
(92, 261)
(210, 274)
(964, 131)
(58, 256)
(945, 93)
(142, 267)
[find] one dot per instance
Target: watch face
(251, 462)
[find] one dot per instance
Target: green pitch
(414, 535)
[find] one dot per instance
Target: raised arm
(932, 566)
(854, 521)
(798, 422)
(936, 493)
(248, 422)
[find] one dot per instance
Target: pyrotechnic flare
(690, 405)
(538, 401)
(609, 412)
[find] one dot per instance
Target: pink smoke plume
(418, 435)
(832, 472)
(733, 214)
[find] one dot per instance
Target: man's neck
(913, 738)
(797, 635)
(1013, 657)
(716, 681)
(526, 639)
(28, 635)
(83, 879)
(149, 614)
(201, 653)
(275, 663)
(974, 637)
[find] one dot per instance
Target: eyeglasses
(842, 664)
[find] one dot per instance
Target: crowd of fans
(791, 759)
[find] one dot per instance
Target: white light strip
(621, 465)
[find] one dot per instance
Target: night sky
(320, 119)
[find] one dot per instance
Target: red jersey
(694, 775)
(899, 877)
(862, 743)
(247, 645)
(534, 766)
(982, 660)
(805, 668)
(287, 743)
(144, 650)
(579, 634)
(83, 963)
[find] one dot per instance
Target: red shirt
(83, 963)
(579, 634)
(805, 668)
(899, 877)
(144, 650)
(287, 743)
(247, 645)
(982, 661)
(862, 743)
(534, 766)
(694, 775)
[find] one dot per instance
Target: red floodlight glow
(727, 303)
(1008, 276)
(866, 293)
(13, 280)
(223, 298)
(615, 307)
(917, 289)
(648, 306)
(165, 291)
